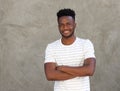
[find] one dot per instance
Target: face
(66, 26)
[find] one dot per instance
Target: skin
(67, 25)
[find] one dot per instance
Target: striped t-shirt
(71, 55)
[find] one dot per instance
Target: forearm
(87, 69)
(75, 71)
(59, 75)
(53, 74)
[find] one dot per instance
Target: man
(70, 60)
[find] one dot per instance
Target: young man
(70, 60)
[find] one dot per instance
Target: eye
(61, 25)
(69, 24)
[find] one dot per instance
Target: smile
(66, 31)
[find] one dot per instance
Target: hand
(64, 69)
(59, 68)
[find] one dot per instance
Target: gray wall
(27, 26)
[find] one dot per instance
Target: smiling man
(70, 60)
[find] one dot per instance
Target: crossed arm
(54, 72)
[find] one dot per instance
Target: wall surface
(27, 26)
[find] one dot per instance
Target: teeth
(66, 31)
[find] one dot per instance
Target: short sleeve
(89, 49)
(49, 54)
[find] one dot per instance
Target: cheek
(61, 29)
(73, 27)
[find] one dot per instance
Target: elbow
(91, 72)
(49, 77)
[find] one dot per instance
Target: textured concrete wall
(27, 26)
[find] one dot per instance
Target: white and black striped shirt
(71, 55)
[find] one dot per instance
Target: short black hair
(66, 12)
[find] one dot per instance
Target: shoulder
(83, 41)
(54, 44)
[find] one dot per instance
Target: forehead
(66, 19)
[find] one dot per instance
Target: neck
(68, 41)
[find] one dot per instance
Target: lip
(66, 31)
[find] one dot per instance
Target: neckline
(68, 45)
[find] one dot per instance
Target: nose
(65, 27)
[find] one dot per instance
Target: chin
(67, 36)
